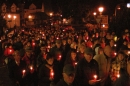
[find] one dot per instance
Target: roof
(37, 4)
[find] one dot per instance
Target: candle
(59, 57)
(23, 72)
(43, 34)
(87, 38)
(96, 35)
(118, 75)
(57, 38)
(115, 53)
(95, 77)
(10, 50)
(52, 74)
(77, 37)
(0, 40)
(31, 68)
(129, 52)
(115, 45)
(49, 46)
(33, 44)
(75, 63)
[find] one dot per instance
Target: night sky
(71, 4)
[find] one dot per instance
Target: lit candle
(23, 30)
(77, 51)
(23, 72)
(57, 38)
(128, 52)
(0, 40)
(87, 37)
(10, 50)
(96, 35)
(115, 45)
(95, 77)
(59, 57)
(49, 46)
(75, 63)
(52, 74)
(33, 44)
(31, 68)
(77, 37)
(118, 75)
(43, 34)
(115, 53)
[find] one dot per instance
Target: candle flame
(75, 63)
(118, 75)
(95, 77)
(24, 71)
(31, 67)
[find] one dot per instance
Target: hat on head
(68, 69)
(28, 49)
(88, 51)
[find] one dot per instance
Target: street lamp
(9, 16)
(100, 9)
(14, 20)
(51, 14)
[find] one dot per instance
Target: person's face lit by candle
(73, 56)
(120, 56)
(50, 60)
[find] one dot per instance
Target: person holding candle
(104, 62)
(86, 69)
(16, 67)
(124, 79)
(48, 72)
(72, 58)
(30, 60)
(118, 63)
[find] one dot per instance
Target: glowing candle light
(129, 52)
(31, 68)
(95, 77)
(77, 37)
(96, 35)
(75, 63)
(52, 74)
(10, 50)
(87, 37)
(49, 46)
(24, 71)
(0, 40)
(57, 38)
(118, 75)
(115, 45)
(115, 53)
(43, 34)
(33, 44)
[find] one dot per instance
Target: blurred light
(128, 5)
(94, 13)
(9, 16)
(29, 16)
(100, 9)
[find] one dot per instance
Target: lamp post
(14, 20)
(30, 19)
(9, 16)
(100, 9)
(51, 14)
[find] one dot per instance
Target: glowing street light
(9, 16)
(100, 9)
(14, 20)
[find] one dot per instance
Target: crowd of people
(61, 57)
